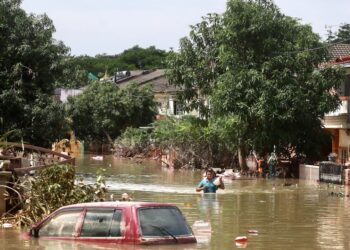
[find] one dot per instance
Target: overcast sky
(91, 27)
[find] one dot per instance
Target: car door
(63, 224)
(102, 225)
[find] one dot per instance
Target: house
(338, 122)
(164, 93)
(62, 94)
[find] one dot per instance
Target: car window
(61, 225)
(101, 223)
(162, 221)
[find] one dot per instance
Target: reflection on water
(209, 204)
(289, 214)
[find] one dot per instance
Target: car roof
(119, 204)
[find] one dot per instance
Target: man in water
(210, 183)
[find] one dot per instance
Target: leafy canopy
(102, 111)
(50, 189)
(29, 65)
(256, 64)
(341, 36)
(199, 143)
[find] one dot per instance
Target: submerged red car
(117, 222)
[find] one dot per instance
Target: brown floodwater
(285, 214)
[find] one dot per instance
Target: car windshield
(162, 221)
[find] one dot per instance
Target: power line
(313, 49)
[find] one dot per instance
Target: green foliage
(76, 68)
(341, 36)
(134, 142)
(257, 65)
(102, 111)
(52, 188)
(134, 138)
(198, 142)
(196, 66)
(73, 75)
(51, 115)
(29, 65)
(139, 58)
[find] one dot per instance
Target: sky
(91, 27)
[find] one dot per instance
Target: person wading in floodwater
(210, 183)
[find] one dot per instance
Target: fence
(331, 172)
(25, 158)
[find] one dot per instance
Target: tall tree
(341, 36)
(260, 66)
(29, 59)
(102, 111)
(136, 58)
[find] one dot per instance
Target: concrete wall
(309, 172)
(344, 138)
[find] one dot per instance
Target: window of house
(343, 155)
(178, 108)
(344, 88)
(101, 223)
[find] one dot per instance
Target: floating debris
(7, 225)
(241, 239)
(253, 232)
(97, 158)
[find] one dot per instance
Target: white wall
(65, 93)
(309, 172)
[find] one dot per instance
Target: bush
(133, 141)
(52, 188)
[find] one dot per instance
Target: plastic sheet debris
(253, 232)
(241, 241)
(7, 225)
(97, 158)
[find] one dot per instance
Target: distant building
(62, 94)
(164, 93)
(338, 122)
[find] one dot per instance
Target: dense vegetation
(32, 64)
(56, 186)
(77, 68)
(102, 111)
(340, 36)
(29, 66)
(198, 143)
(257, 65)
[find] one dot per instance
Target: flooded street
(286, 214)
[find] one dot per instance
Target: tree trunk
(242, 155)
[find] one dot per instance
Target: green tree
(258, 65)
(341, 36)
(76, 68)
(29, 64)
(102, 111)
(140, 58)
(197, 142)
(50, 189)
(73, 75)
